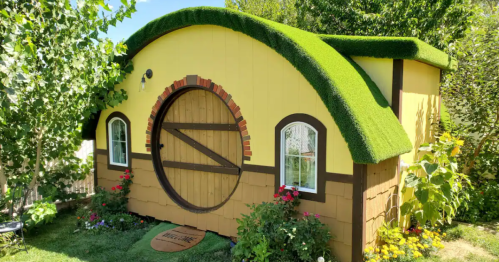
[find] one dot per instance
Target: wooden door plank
(217, 145)
(202, 139)
(196, 176)
(190, 150)
(177, 150)
(183, 149)
(210, 141)
(225, 150)
(229, 171)
(169, 148)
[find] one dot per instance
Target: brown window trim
(322, 175)
(129, 146)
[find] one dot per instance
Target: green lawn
(469, 243)
(59, 242)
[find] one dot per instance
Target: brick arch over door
(197, 81)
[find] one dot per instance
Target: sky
(148, 10)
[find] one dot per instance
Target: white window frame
(110, 139)
(283, 156)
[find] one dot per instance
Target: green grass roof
(390, 47)
(362, 114)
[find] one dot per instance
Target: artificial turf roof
(358, 107)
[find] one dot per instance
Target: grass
(59, 242)
(469, 236)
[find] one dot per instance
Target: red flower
(317, 216)
(285, 198)
(121, 176)
(103, 204)
(293, 188)
(288, 194)
(296, 193)
(282, 249)
(119, 187)
(283, 186)
(290, 198)
(127, 171)
(481, 192)
(276, 195)
(127, 177)
(280, 190)
(113, 188)
(277, 203)
(141, 221)
(306, 214)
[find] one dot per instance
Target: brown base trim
(141, 156)
(259, 169)
(359, 211)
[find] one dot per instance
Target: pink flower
(121, 176)
(306, 214)
(127, 171)
(119, 187)
(296, 193)
(103, 204)
(127, 177)
(285, 198)
(290, 198)
(276, 195)
(288, 194)
(317, 216)
(280, 190)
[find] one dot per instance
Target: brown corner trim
(359, 211)
(397, 86)
(129, 141)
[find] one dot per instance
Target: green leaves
(422, 195)
(429, 168)
(411, 180)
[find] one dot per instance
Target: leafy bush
(271, 232)
(105, 202)
(108, 222)
(411, 245)
(438, 186)
(483, 205)
(42, 212)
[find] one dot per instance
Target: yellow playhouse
(224, 107)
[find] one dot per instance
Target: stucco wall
(380, 70)
(265, 85)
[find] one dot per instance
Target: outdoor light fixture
(149, 75)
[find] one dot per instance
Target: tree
(437, 22)
(55, 71)
(282, 11)
(472, 95)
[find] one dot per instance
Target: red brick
(148, 137)
(148, 149)
(149, 128)
(231, 102)
(208, 83)
(247, 148)
(150, 120)
(242, 123)
(232, 107)
(164, 95)
(154, 113)
(220, 88)
(246, 143)
(236, 109)
(225, 94)
(238, 114)
(169, 90)
(215, 88)
(247, 153)
(175, 84)
(184, 81)
(149, 124)
(149, 142)
(244, 133)
(243, 128)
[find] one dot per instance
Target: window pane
(115, 129)
(292, 136)
(307, 139)
(308, 172)
(292, 171)
(119, 152)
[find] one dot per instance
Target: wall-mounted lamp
(149, 75)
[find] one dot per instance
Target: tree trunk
(32, 184)
(3, 178)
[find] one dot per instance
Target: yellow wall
(265, 86)
(420, 102)
(380, 71)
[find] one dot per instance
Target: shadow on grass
(59, 242)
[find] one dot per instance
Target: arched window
(299, 157)
(118, 145)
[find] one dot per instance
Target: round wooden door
(202, 150)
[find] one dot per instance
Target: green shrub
(42, 212)
(271, 232)
(483, 205)
(106, 202)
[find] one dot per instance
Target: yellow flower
(425, 236)
(444, 234)
(426, 245)
(420, 228)
(394, 256)
(439, 230)
(386, 257)
(366, 250)
(460, 142)
(446, 136)
(455, 151)
(385, 247)
(371, 248)
(377, 250)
